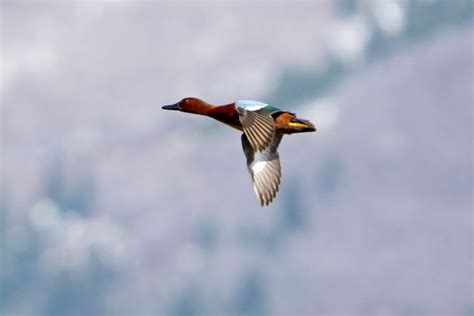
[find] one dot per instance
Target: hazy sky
(111, 205)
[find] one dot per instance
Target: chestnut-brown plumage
(263, 127)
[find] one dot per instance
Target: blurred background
(111, 206)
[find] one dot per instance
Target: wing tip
(266, 198)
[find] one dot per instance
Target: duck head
(189, 105)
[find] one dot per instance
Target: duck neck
(226, 114)
(202, 108)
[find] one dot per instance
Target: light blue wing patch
(250, 105)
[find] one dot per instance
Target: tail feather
(301, 125)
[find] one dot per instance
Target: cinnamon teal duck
(263, 127)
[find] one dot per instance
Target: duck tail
(301, 126)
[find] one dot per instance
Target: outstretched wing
(258, 126)
(264, 167)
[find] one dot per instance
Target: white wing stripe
(259, 166)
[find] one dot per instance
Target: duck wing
(258, 126)
(264, 167)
